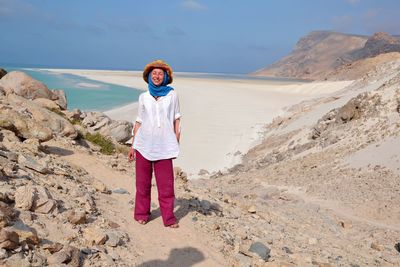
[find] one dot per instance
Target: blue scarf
(162, 89)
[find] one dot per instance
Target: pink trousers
(164, 174)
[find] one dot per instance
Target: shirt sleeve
(177, 110)
(140, 110)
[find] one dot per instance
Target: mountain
(320, 53)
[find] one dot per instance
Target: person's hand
(131, 154)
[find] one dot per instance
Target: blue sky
(225, 36)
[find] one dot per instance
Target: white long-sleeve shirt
(156, 138)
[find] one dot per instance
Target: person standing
(155, 143)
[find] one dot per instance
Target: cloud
(192, 5)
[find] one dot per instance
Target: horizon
(192, 36)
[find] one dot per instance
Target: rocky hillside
(66, 189)
(319, 54)
(322, 188)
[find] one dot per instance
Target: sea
(91, 95)
(83, 93)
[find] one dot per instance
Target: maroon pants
(164, 174)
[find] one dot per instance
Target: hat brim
(157, 65)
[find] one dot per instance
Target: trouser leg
(164, 173)
(143, 188)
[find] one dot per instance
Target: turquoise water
(83, 93)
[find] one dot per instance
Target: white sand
(222, 118)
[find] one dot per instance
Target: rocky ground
(297, 199)
(297, 196)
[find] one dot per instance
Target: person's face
(157, 76)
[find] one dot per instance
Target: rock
(95, 236)
(252, 209)
(95, 121)
(8, 239)
(44, 202)
(7, 214)
(377, 246)
(69, 255)
(18, 260)
(243, 260)
(32, 145)
(346, 224)
(88, 202)
(33, 164)
(26, 234)
(203, 172)
(37, 199)
(59, 257)
(35, 115)
(54, 247)
(120, 191)
(21, 84)
(113, 240)
(24, 197)
(3, 72)
(100, 186)
(7, 197)
(260, 250)
(60, 98)
(397, 247)
(120, 131)
(46, 103)
(38, 260)
(348, 112)
(3, 254)
(76, 216)
(26, 216)
(23, 126)
(9, 155)
(74, 114)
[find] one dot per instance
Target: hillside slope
(319, 55)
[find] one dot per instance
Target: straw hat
(157, 64)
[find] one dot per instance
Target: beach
(221, 118)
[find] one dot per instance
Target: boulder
(21, 84)
(37, 199)
(60, 98)
(3, 72)
(33, 164)
(7, 214)
(34, 114)
(26, 234)
(8, 239)
(95, 236)
(120, 131)
(74, 114)
(24, 197)
(76, 216)
(46, 103)
(95, 121)
(23, 126)
(69, 255)
(44, 202)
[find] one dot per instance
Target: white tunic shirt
(156, 137)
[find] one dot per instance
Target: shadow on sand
(182, 257)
